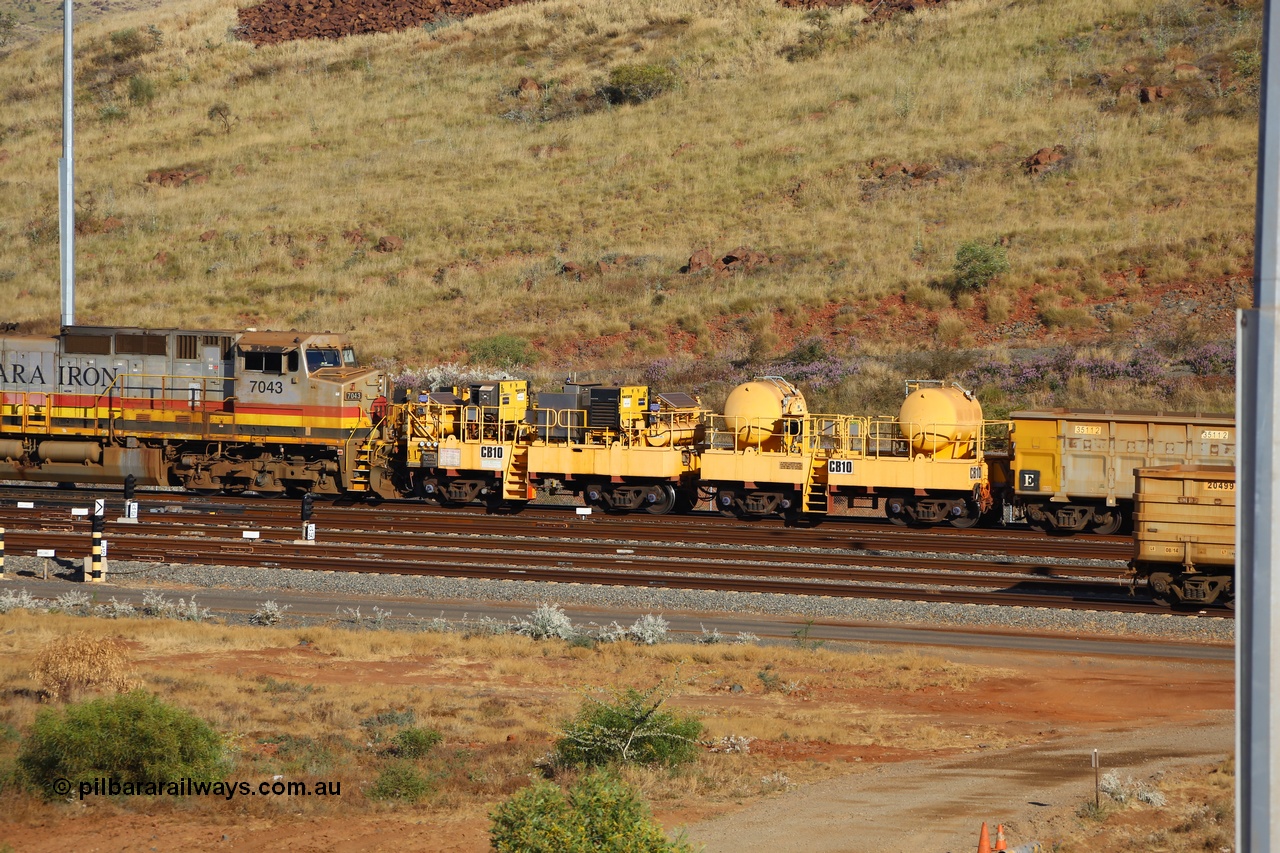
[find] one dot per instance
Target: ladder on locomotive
(362, 468)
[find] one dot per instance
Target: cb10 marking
(840, 466)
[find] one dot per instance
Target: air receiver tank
(762, 411)
(941, 422)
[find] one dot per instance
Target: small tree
(977, 263)
(631, 728)
(221, 112)
(599, 814)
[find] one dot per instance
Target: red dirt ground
(1143, 708)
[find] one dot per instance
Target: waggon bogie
(1070, 518)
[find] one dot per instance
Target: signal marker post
(130, 505)
(3, 576)
(97, 563)
(308, 527)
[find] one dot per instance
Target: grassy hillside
(545, 172)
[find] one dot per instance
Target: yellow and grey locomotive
(269, 412)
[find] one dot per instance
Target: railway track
(840, 559)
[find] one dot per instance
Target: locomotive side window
(348, 357)
(271, 362)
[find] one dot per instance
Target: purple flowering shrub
(1215, 359)
(1052, 372)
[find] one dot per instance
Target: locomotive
(276, 413)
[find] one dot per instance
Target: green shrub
(501, 350)
(415, 742)
(141, 90)
(599, 814)
(634, 84)
(8, 23)
(133, 42)
(133, 737)
(399, 781)
(814, 41)
(977, 263)
(632, 728)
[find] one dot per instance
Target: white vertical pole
(67, 177)
(1257, 530)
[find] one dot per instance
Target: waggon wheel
(664, 500)
(895, 510)
(970, 518)
(1111, 525)
(1161, 586)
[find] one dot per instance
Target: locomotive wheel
(665, 502)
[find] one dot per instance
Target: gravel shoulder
(939, 805)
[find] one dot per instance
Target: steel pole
(67, 178)
(1257, 531)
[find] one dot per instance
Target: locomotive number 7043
(257, 386)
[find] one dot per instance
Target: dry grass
(405, 135)
(70, 666)
(323, 702)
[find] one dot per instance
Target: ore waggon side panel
(1073, 470)
(1184, 532)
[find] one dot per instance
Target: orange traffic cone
(1000, 845)
(984, 840)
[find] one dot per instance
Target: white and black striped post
(98, 568)
(3, 576)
